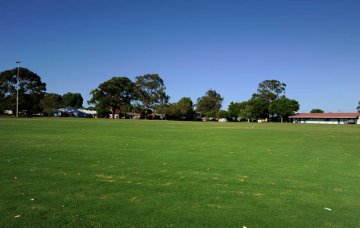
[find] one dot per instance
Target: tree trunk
(282, 119)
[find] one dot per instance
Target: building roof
(327, 115)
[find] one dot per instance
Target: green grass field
(123, 173)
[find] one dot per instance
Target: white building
(74, 112)
(327, 118)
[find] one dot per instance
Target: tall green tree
(247, 112)
(284, 107)
(114, 94)
(253, 109)
(234, 109)
(222, 114)
(151, 91)
(260, 108)
(31, 90)
(182, 110)
(358, 107)
(74, 100)
(50, 102)
(186, 108)
(209, 104)
(270, 90)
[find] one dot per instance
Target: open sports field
(123, 173)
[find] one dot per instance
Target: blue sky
(74, 45)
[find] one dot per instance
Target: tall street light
(17, 89)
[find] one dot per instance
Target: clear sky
(194, 45)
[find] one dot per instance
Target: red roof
(327, 115)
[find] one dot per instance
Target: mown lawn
(125, 173)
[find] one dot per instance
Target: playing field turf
(131, 173)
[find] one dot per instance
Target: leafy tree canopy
(283, 107)
(260, 108)
(247, 112)
(270, 90)
(255, 108)
(151, 91)
(223, 114)
(209, 104)
(182, 110)
(186, 108)
(74, 100)
(234, 109)
(50, 102)
(114, 94)
(31, 90)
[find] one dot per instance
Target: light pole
(17, 89)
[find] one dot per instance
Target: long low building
(327, 118)
(74, 112)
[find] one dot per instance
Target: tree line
(120, 95)
(147, 96)
(33, 98)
